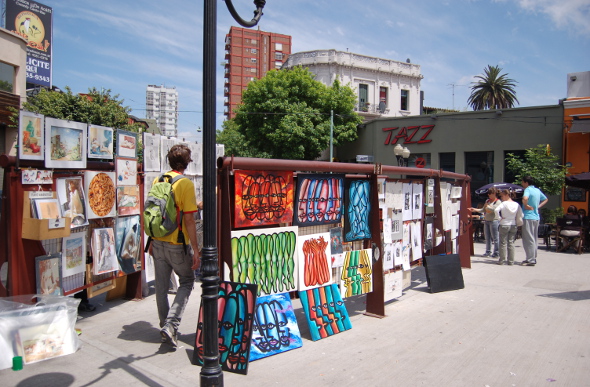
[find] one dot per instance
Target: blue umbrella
(500, 186)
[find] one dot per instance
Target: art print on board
(195, 167)
(319, 199)
(388, 255)
(417, 201)
(128, 200)
(357, 273)
(74, 254)
(49, 274)
(126, 144)
(104, 256)
(72, 201)
(267, 257)
(46, 208)
(416, 237)
(66, 144)
(393, 285)
(151, 152)
(31, 136)
(126, 171)
(46, 341)
(236, 308)
(358, 210)
(314, 260)
(407, 210)
(101, 193)
(262, 198)
(36, 176)
(275, 327)
(100, 142)
(396, 224)
(325, 311)
(128, 245)
(336, 240)
(165, 145)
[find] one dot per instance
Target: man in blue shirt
(532, 200)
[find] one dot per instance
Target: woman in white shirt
(508, 212)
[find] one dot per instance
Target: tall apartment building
(249, 55)
(161, 104)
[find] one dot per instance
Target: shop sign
(409, 134)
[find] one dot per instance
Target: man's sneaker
(495, 255)
(528, 263)
(486, 255)
(169, 335)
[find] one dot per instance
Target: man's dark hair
(529, 180)
(179, 156)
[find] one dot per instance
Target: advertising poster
(33, 21)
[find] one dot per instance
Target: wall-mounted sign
(409, 134)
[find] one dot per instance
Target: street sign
(420, 162)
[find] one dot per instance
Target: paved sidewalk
(510, 326)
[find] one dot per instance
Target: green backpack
(160, 214)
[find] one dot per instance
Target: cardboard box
(38, 229)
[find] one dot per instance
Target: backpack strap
(179, 214)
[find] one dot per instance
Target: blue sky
(125, 45)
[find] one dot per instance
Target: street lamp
(211, 374)
(402, 155)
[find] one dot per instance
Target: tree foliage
(542, 165)
(235, 142)
(286, 115)
(96, 107)
(493, 91)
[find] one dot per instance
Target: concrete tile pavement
(510, 326)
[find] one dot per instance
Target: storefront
(474, 143)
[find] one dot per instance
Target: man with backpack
(171, 251)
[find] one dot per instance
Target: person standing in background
(491, 222)
(532, 200)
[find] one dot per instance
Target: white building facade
(384, 87)
(161, 104)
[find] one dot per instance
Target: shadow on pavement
(570, 296)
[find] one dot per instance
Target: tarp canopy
(511, 187)
(581, 180)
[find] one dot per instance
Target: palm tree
(492, 91)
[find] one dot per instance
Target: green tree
(493, 91)
(96, 107)
(235, 142)
(542, 165)
(286, 115)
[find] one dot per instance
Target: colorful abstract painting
(263, 198)
(267, 257)
(325, 311)
(275, 327)
(319, 199)
(357, 272)
(236, 305)
(314, 260)
(358, 211)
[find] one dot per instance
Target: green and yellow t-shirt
(184, 194)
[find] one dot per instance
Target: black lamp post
(402, 154)
(211, 374)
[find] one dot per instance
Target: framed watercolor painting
(49, 278)
(36, 176)
(128, 201)
(100, 142)
(126, 171)
(74, 254)
(104, 258)
(100, 188)
(66, 144)
(128, 243)
(47, 208)
(31, 136)
(72, 201)
(126, 144)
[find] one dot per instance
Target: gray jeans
(490, 228)
(507, 238)
(169, 257)
(530, 232)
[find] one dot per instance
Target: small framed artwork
(31, 136)
(128, 243)
(66, 144)
(47, 208)
(100, 142)
(72, 201)
(100, 288)
(49, 276)
(36, 176)
(100, 188)
(126, 144)
(126, 171)
(104, 257)
(128, 200)
(575, 194)
(151, 152)
(74, 254)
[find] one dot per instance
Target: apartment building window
(279, 46)
(382, 99)
(278, 55)
(405, 100)
(253, 50)
(278, 65)
(253, 70)
(363, 96)
(447, 161)
(253, 60)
